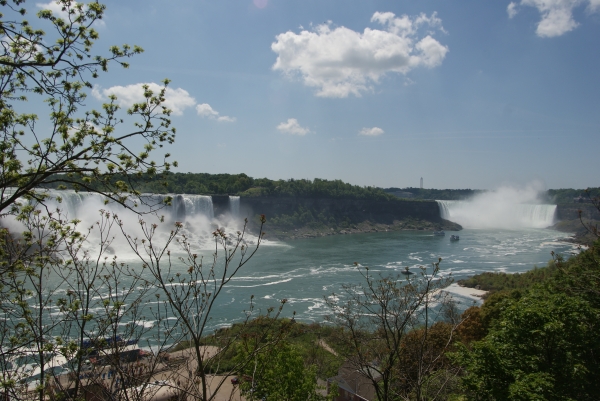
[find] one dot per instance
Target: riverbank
(307, 231)
(579, 233)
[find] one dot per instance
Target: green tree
(86, 149)
(544, 347)
(389, 320)
(279, 374)
(57, 292)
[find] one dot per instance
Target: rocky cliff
(570, 211)
(355, 210)
(289, 217)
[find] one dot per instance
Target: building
(353, 384)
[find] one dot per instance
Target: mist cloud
(506, 207)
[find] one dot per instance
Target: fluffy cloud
(205, 110)
(57, 10)
(512, 9)
(339, 62)
(375, 131)
(557, 15)
(175, 99)
(292, 127)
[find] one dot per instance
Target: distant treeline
(243, 185)
(569, 195)
(439, 194)
(554, 196)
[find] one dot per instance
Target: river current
(304, 271)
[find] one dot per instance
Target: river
(304, 271)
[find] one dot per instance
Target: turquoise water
(304, 271)
(301, 271)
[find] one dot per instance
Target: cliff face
(570, 211)
(354, 210)
(221, 205)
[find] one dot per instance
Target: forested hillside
(537, 335)
(569, 195)
(243, 185)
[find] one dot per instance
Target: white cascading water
(198, 205)
(194, 211)
(479, 213)
(234, 206)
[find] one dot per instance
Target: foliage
(310, 340)
(70, 306)
(580, 276)
(84, 149)
(306, 339)
(424, 371)
(569, 195)
(376, 318)
(279, 374)
(541, 339)
(190, 299)
(545, 348)
(472, 327)
(318, 188)
(241, 184)
(53, 292)
(500, 281)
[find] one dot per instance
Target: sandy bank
(466, 292)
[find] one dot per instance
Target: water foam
(507, 208)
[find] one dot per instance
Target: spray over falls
(197, 213)
(484, 213)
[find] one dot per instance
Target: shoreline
(467, 292)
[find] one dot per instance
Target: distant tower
(421, 182)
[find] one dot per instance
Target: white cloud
(205, 110)
(292, 127)
(57, 10)
(512, 9)
(375, 131)
(175, 99)
(557, 15)
(339, 62)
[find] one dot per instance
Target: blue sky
(466, 94)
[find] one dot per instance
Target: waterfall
(182, 206)
(480, 214)
(234, 206)
(199, 205)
